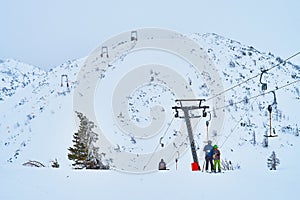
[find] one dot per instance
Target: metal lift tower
(187, 116)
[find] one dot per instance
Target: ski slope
(256, 183)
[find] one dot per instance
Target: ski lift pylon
(187, 116)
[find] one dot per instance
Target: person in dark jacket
(217, 156)
(162, 165)
(208, 149)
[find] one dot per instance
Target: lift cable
(159, 142)
(254, 97)
(164, 136)
(278, 88)
(296, 54)
(233, 129)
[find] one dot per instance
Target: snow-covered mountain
(37, 122)
(37, 119)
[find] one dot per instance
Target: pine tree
(84, 153)
(78, 153)
(265, 142)
(55, 163)
(253, 140)
(297, 131)
(273, 161)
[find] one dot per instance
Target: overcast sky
(46, 33)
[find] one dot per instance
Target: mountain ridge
(32, 97)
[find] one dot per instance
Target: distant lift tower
(187, 115)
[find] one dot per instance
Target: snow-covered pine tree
(273, 161)
(296, 131)
(55, 163)
(265, 142)
(78, 153)
(84, 153)
(253, 140)
(93, 156)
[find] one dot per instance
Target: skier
(216, 157)
(208, 149)
(162, 165)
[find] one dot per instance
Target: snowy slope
(37, 123)
(66, 184)
(237, 63)
(30, 105)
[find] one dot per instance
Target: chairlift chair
(264, 86)
(270, 133)
(133, 35)
(62, 80)
(104, 51)
(207, 124)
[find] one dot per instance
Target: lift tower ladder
(186, 115)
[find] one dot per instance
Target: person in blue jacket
(208, 149)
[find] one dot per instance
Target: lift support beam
(186, 111)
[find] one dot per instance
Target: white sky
(49, 32)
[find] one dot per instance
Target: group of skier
(212, 158)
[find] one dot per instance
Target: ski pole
(203, 166)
